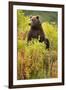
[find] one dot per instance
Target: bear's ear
(37, 17)
(30, 17)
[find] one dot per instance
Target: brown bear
(36, 30)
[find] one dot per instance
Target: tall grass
(34, 61)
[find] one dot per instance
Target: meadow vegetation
(34, 60)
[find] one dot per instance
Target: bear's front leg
(29, 36)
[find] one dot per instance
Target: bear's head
(35, 22)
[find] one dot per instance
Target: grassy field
(34, 61)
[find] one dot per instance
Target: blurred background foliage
(34, 61)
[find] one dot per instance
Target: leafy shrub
(34, 60)
(51, 33)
